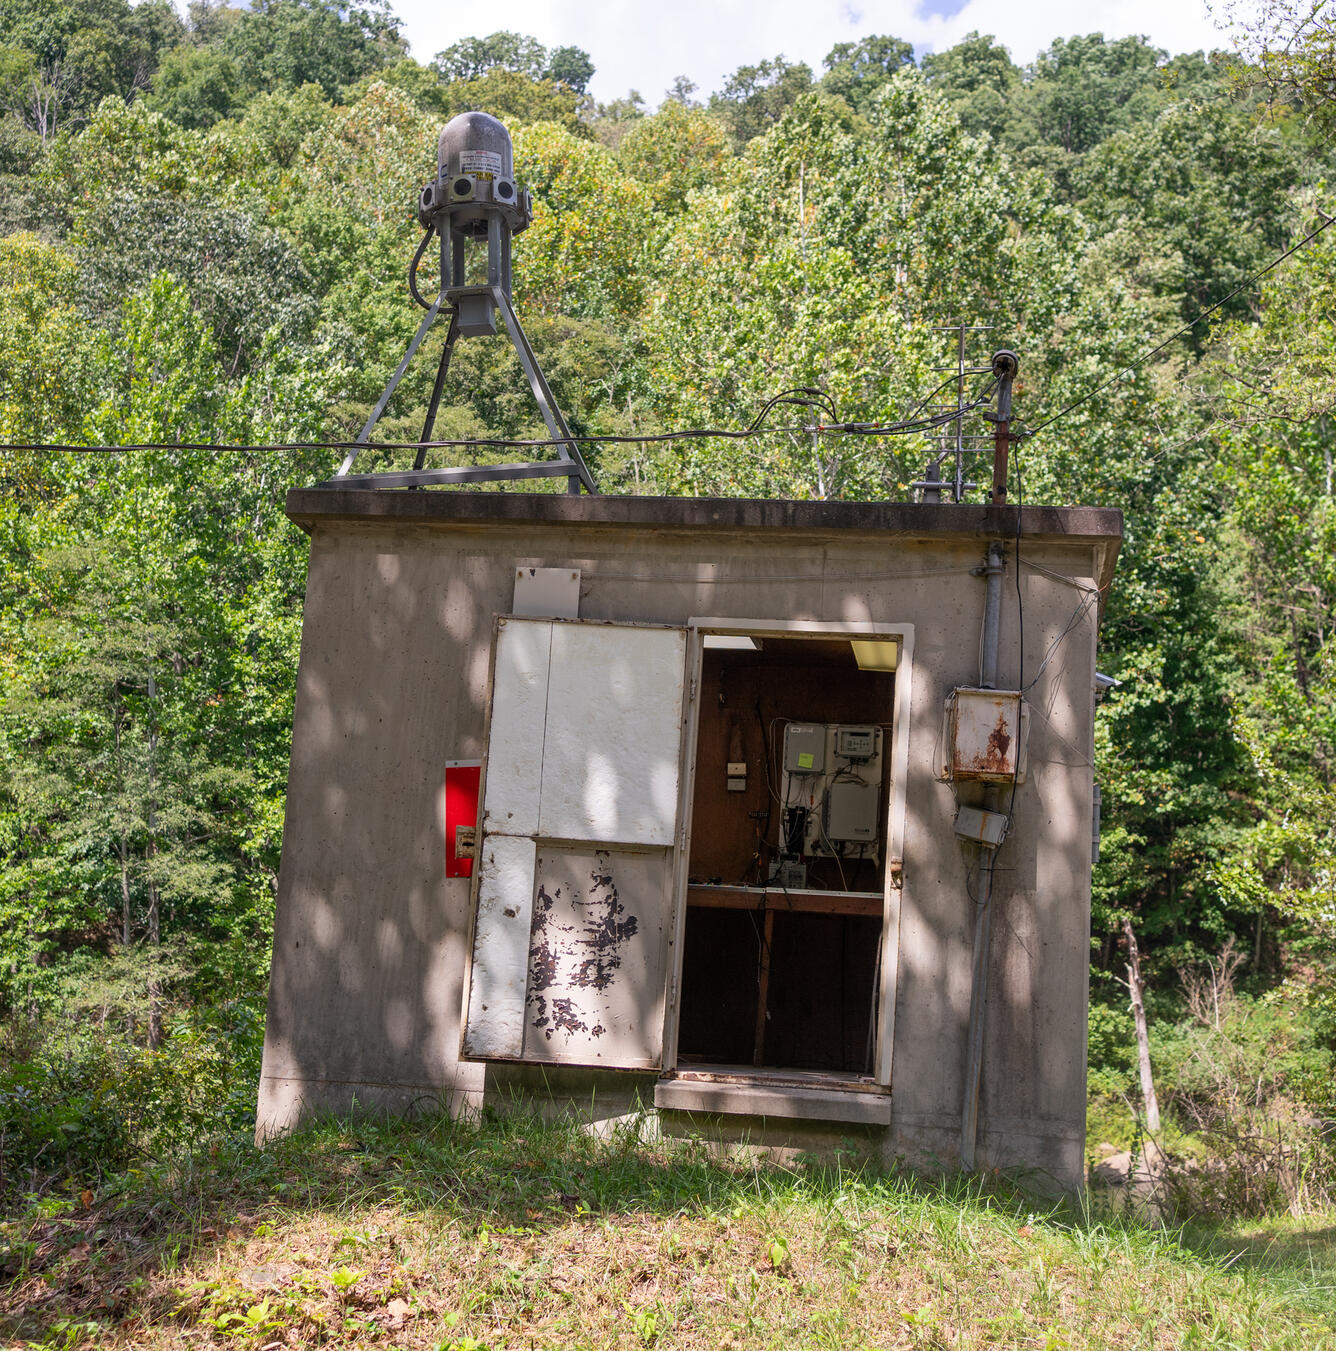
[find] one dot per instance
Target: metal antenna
(954, 441)
(473, 198)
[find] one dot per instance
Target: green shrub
(1113, 1053)
(85, 1102)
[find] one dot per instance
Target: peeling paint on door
(584, 955)
(594, 959)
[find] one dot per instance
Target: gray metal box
(805, 748)
(986, 732)
(851, 811)
(986, 827)
(477, 315)
(856, 743)
(547, 593)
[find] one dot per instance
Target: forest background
(204, 228)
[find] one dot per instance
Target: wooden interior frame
(894, 823)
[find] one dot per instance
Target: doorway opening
(787, 858)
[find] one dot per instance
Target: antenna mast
(473, 200)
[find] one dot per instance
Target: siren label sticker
(482, 164)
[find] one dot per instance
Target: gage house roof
(1097, 526)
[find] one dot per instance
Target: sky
(644, 46)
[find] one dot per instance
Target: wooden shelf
(865, 903)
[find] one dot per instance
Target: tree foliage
(474, 58)
(206, 226)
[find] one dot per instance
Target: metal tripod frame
(451, 300)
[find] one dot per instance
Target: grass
(512, 1234)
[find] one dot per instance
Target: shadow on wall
(369, 939)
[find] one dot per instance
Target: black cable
(912, 425)
(978, 400)
(1187, 328)
(501, 442)
(803, 396)
(413, 267)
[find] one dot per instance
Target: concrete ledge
(312, 506)
(802, 1104)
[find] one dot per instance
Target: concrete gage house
(718, 871)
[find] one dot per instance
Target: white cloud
(645, 46)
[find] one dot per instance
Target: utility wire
(755, 428)
(803, 396)
(1187, 328)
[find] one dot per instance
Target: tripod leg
(451, 334)
(543, 397)
(427, 320)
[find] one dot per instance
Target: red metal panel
(461, 813)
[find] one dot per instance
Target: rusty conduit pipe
(983, 907)
(983, 925)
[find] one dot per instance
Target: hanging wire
(802, 397)
(1187, 328)
(413, 267)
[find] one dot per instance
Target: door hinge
(672, 993)
(691, 691)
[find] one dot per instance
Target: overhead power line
(818, 400)
(1187, 328)
(803, 396)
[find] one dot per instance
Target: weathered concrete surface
(369, 950)
(763, 1100)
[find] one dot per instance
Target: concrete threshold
(807, 1098)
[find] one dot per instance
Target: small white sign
(547, 593)
(480, 163)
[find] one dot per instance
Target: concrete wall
(370, 939)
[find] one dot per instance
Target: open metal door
(580, 835)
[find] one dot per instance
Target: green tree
(584, 255)
(755, 97)
(247, 277)
(79, 52)
(44, 358)
(284, 44)
(515, 98)
(275, 126)
(1203, 186)
(1288, 50)
(474, 58)
(196, 87)
(980, 81)
(1081, 89)
(674, 151)
(471, 58)
(571, 67)
(856, 70)
(827, 260)
(148, 639)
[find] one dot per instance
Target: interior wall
(721, 962)
(801, 680)
(822, 972)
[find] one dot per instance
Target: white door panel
(519, 713)
(610, 756)
(580, 828)
(495, 1023)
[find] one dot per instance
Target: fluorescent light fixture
(736, 642)
(876, 654)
